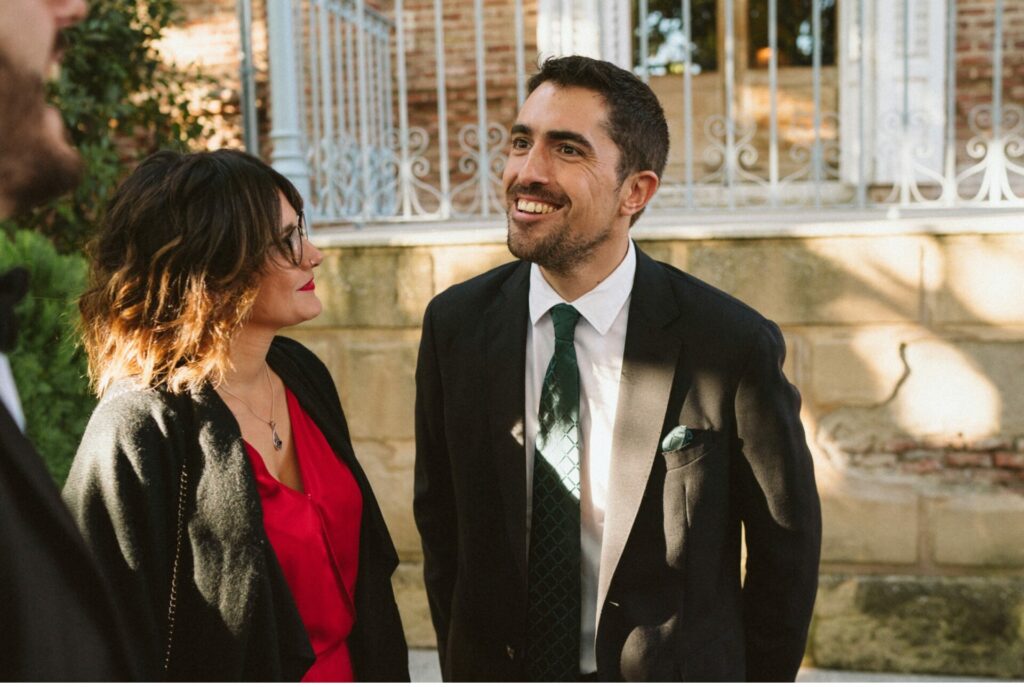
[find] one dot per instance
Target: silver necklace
(271, 422)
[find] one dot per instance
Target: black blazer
(59, 622)
(235, 619)
(672, 604)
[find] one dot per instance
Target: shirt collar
(599, 306)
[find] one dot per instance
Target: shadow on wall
(909, 354)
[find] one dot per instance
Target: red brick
(989, 444)
(921, 467)
(964, 459)
(899, 445)
(1006, 459)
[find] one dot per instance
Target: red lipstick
(309, 286)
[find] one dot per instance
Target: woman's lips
(309, 286)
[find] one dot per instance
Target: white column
(596, 28)
(887, 59)
(286, 133)
(616, 43)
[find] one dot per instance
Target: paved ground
(423, 668)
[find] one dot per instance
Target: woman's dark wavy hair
(175, 268)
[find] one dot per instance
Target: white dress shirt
(9, 393)
(600, 340)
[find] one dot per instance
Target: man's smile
(534, 207)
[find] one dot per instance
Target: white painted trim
(702, 227)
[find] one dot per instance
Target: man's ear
(637, 190)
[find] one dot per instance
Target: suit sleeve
(781, 513)
(119, 494)
(434, 496)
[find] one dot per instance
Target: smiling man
(59, 621)
(594, 430)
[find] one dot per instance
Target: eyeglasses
(294, 240)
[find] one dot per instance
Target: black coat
(58, 622)
(235, 616)
(671, 601)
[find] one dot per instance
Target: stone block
(984, 530)
(413, 607)
(374, 286)
(374, 371)
(857, 366)
(325, 343)
(858, 524)
(672, 252)
(929, 625)
(389, 467)
(658, 250)
(808, 281)
(979, 279)
(456, 264)
(377, 379)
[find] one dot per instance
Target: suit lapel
(648, 369)
(505, 374)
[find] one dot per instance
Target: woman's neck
(248, 355)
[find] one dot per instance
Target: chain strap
(172, 602)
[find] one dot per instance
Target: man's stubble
(36, 162)
(561, 251)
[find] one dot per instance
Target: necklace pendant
(277, 439)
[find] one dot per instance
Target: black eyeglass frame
(296, 238)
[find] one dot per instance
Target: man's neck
(585, 277)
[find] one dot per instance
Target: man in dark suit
(594, 430)
(58, 620)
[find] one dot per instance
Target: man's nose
(534, 168)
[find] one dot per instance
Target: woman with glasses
(216, 480)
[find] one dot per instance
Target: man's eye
(566, 149)
(520, 144)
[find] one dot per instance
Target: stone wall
(907, 344)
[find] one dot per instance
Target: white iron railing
(346, 131)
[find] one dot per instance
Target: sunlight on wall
(946, 396)
(988, 279)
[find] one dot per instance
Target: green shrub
(49, 366)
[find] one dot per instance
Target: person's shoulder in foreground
(60, 617)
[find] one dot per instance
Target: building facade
(854, 170)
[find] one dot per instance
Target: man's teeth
(534, 207)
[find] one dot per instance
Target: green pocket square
(676, 439)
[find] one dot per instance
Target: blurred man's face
(36, 160)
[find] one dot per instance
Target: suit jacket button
(511, 652)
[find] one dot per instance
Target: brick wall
(975, 33)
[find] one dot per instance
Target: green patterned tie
(553, 613)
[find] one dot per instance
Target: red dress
(316, 538)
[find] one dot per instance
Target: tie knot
(565, 318)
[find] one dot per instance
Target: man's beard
(559, 251)
(35, 165)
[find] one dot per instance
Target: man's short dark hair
(636, 122)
